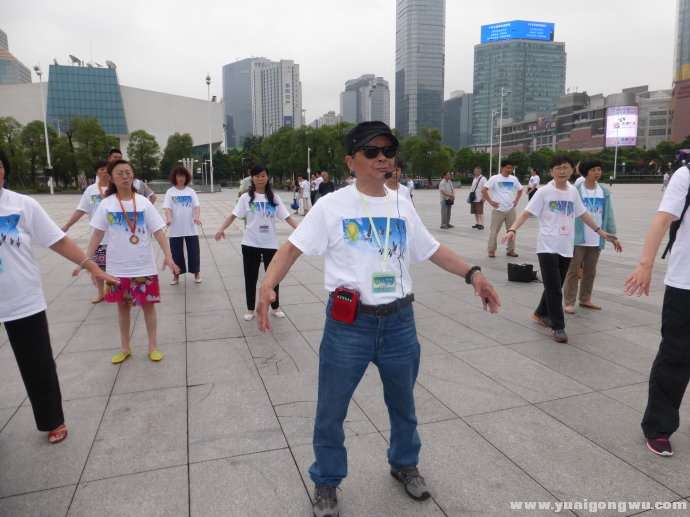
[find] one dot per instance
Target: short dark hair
(588, 165)
(505, 162)
(179, 170)
(560, 160)
(399, 163)
(99, 165)
(113, 151)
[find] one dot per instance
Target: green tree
(10, 143)
(179, 146)
(33, 140)
(425, 154)
(143, 151)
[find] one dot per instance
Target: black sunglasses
(372, 152)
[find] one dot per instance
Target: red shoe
(57, 435)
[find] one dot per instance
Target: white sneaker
(278, 313)
(174, 281)
(249, 316)
(197, 280)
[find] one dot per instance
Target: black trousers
(553, 270)
(251, 258)
(30, 342)
(671, 368)
(177, 249)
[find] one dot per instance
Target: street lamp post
(491, 142)
(504, 92)
(210, 145)
(49, 165)
(308, 161)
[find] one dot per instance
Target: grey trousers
(445, 213)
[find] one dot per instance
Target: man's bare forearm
(447, 259)
(655, 235)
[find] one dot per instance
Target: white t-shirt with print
(503, 190)
(534, 181)
(260, 231)
(124, 259)
(678, 271)
(306, 188)
(594, 203)
(339, 228)
(182, 203)
(23, 224)
(90, 199)
(401, 191)
(556, 210)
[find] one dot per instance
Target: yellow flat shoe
(120, 357)
(155, 356)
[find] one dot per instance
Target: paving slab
(30, 463)
(265, 483)
(281, 353)
(158, 493)
(140, 431)
(139, 373)
(46, 503)
(85, 374)
(220, 360)
(212, 325)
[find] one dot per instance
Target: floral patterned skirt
(134, 291)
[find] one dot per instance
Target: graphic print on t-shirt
(95, 199)
(263, 208)
(118, 222)
(357, 233)
(562, 207)
(505, 185)
(594, 205)
(9, 233)
(185, 201)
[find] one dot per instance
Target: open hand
(267, 296)
(508, 237)
(219, 235)
(638, 283)
(486, 291)
(168, 262)
(105, 277)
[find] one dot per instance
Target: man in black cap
(368, 239)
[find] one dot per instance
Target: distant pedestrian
(447, 193)
(304, 194)
(316, 180)
(261, 207)
(326, 186)
(182, 215)
(533, 183)
(475, 198)
(502, 192)
(132, 223)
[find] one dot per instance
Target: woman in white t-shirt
(88, 203)
(131, 222)
(182, 215)
(261, 207)
(24, 224)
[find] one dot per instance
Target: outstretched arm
(447, 259)
(220, 234)
(639, 281)
(165, 246)
(282, 261)
(72, 220)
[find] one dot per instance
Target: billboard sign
(518, 29)
(621, 126)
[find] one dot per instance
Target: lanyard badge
(383, 281)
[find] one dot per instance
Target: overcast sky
(170, 45)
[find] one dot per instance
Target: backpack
(674, 227)
(521, 273)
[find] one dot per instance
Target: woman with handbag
(475, 198)
(445, 189)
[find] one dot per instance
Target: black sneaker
(414, 483)
(451, 226)
(326, 502)
(660, 446)
(475, 226)
(559, 336)
(480, 227)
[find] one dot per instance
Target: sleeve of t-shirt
(518, 185)
(422, 244)
(281, 211)
(44, 231)
(490, 183)
(167, 200)
(84, 203)
(674, 196)
(578, 205)
(241, 207)
(152, 218)
(195, 199)
(536, 204)
(311, 236)
(100, 217)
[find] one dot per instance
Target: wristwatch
(470, 274)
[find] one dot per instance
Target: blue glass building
(85, 92)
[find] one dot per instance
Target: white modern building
(261, 96)
(365, 98)
(327, 119)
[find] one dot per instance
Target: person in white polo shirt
(668, 379)
(502, 192)
(368, 240)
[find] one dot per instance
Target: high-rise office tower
(366, 98)
(260, 97)
(682, 55)
(457, 120)
(12, 71)
(419, 64)
(522, 58)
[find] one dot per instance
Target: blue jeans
(390, 342)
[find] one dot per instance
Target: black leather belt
(387, 309)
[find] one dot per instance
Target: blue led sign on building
(518, 29)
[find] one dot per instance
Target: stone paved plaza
(222, 426)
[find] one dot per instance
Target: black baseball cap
(365, 132)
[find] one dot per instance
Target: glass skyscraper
(419, 64)
(533, 71)
(682, 56)
(85, 92)
(365, 98)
